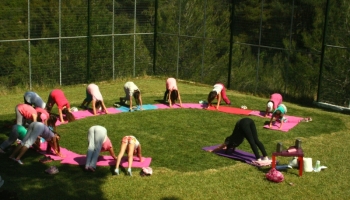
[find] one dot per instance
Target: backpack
(274, 175)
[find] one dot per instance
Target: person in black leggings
(244, 128)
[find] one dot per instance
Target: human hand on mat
(60, 155)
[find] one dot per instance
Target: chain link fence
(298, 48)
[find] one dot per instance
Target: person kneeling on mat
(244, 128)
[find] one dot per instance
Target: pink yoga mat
(106, 161)
(184, 105)
(70, 157)
(291, 123)
(64, 152)
(259, 114)
(88, 113)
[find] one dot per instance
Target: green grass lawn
(174, 139)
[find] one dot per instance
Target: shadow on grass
(29, 181)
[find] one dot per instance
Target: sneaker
(293, 163)
(129, 172)
(19, 162)
(116, 171)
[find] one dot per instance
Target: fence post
(322, 51)
(231, 45)
(155, 36)
(88, 52)
(29, 52)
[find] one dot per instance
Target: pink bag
(275, 175)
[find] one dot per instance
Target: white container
(308, 165)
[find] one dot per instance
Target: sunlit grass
(174, 138)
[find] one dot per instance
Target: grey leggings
(96, 137)
(19, 117)
(34, 130)
(12, 138)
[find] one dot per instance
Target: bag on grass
(146, 171)
(275, 175)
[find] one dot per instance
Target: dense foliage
(252, 46)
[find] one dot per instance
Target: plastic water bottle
(318, 166)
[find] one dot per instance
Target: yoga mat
(73, 158)
(76, 159)
(88, 113)
(259, 114)
(63, 151)
(231, 110)
(184, 105)
(144, 107)
(236, 155)
(291, 123)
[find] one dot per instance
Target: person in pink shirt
(98, 141)
(57, 97)
(273, 103)
(219, 92)
(42, 114)
(172, 92)
(93, 94)
(25, 112)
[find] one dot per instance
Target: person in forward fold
(17, 132)
(172, 92)
(219, 92)
(35, 130)
(57, 96)
(94, 95)
(244, 129)
(33, 99)
(131, 146)
(98, 141)
(25, 112)
(278, 114)
(273, 103)
(42, 114)
(131, 90)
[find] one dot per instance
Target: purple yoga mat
(237, 155)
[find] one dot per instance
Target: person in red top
(57, 97)
(25, 112)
